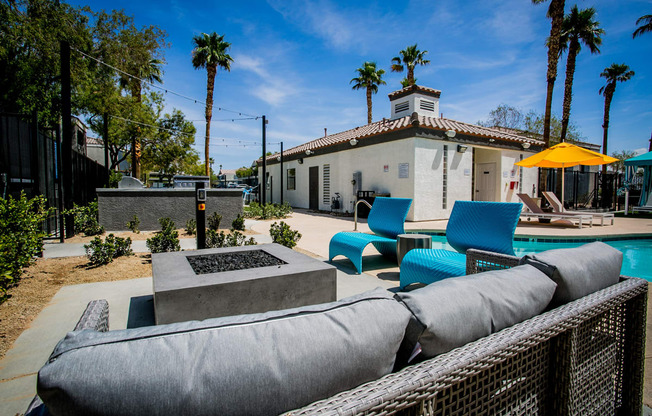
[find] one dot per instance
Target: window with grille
(291, 174)
(327, 185)
(427, 105)
(404, 106)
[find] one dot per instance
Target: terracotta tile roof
(227, 172)
(414, 88)
(94, 141)
(386, 125)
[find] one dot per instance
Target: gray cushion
(458, 310)
(578, 271)
(247, 365)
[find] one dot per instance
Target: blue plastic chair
(386, 220)
(486, 226)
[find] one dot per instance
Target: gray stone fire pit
(180, 294)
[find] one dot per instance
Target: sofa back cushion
(453, 312)
(578, 271)
(242, 365)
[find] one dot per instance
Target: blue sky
(293, 61)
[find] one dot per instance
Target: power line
(239, 142)
(167, 91)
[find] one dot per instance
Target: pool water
(637, 253)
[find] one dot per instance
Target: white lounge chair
(558, 208)
(536, 211)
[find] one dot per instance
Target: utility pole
(66, 139)
(281, 173)
(263, 185)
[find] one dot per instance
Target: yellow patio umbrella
(565, 155)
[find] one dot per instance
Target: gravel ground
(214, 263)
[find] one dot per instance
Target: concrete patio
(131, 300)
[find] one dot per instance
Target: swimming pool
(637, 251)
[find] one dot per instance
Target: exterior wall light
(300, 160)
(353, 142)
(492, 140)
(308, 152)
(278, 158)
(450, 133)
(525, 145)
(461, 148)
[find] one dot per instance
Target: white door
(486, 182)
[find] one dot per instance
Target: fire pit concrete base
(181, 295)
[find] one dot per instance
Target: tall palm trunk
(556, 13)
(573, 49)
(368, 105)
(210, 85)
(410, 75)
(135, 140)
(608, 96)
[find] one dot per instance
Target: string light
(239, 113)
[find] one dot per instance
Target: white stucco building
(414, 154)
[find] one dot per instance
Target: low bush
(114, 179)
(191, 227)
(214, 221)
(284, 235)
(238, 223)
(86, 219)
(134, 224)
(267, 211)
(21, 237)
(221, 239)
(103, 252)
(165, 240)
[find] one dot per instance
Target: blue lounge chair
(386, 220)
(486, 226)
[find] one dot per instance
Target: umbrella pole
(562, 189)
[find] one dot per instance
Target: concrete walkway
(131, 300)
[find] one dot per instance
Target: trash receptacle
(363, 210)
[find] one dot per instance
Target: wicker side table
(406, 242)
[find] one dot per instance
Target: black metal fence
(30, 162)
(586, 190)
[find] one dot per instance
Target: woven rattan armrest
(95, 317)
(481, 261)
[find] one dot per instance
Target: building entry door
(313, 188)
(486, 182)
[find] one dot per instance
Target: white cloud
(274, 88)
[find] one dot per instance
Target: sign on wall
(403, 170)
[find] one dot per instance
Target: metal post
(281, 173)
(105, 133)
(34, 171)
(200, 214)
(263, 186)
(66, 140)
(57, 175)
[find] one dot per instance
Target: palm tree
(579, 27)
(369, 78)
(615, 73)
(645, 23)
(556, 14)
(410, 57)
(210, 53)
(149, 72)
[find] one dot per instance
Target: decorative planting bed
(201, 284)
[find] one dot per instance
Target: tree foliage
(369, 78)
(504, 116)
(409, 58)
(622, 156)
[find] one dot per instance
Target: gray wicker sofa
(584, 357)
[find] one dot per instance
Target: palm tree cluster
(370, 76)
(569, 33)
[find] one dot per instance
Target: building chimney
(325, 132)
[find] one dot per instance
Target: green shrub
(238, 223)
(214, 221)
(221, 239)
(284, 235)
(191, 227)
(86, 219)
(134, 224)
(165, 240)
(114, 179)
(268, 211)
(103, 252)
(21, 237)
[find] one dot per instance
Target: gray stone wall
(117, 206)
